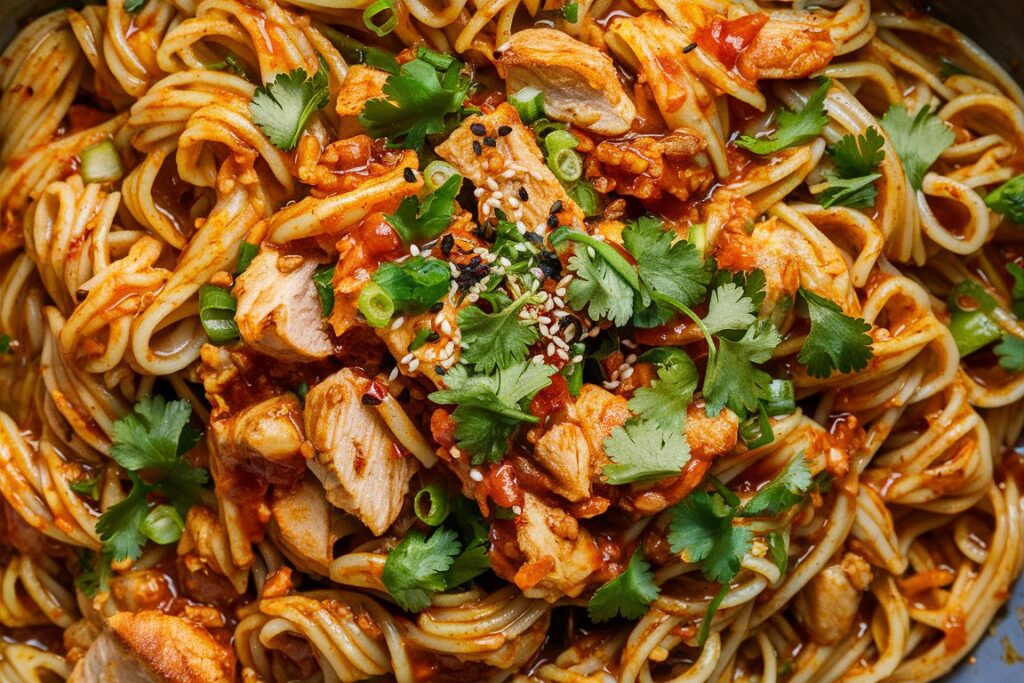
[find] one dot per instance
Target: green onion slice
(432, 504)
(217, 314)
(162, 525)
(376, 305)
(101, 163)
(528, 103)
(377, 8)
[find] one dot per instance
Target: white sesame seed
(505, 262)
(475, 475)
(560, 291)
(426, 253)
(478, 192)
(562, 354)
(472, 298)
(507, 173)
(560, 314)
(520, 226)
(627, 373)
(577, 359)
(414, 365)
(520, 246)
(517, 215)
(513, 202)
(516, 510)
(498, 195)
(394, 374)
(614, 384)
(446, 328)
(406, 359)
(544, 319)
(629, 344)
(564, 281)
(545, 331)
(536, 175)
(492, 185)
(414, 250)
(449, 348)
(398, 322)
(557, 301)
(456, 453)
(551, 348)
(560, 342)
(537, 360)
(630, 359)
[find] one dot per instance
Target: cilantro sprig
(918, 140)
(628, 594)
(282, 108)
(856, 159)
(419, 220)
(498, 339)
(640, 451)
(836, 341)
(1008, 199)
(792, 127)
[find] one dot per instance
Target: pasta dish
(578, 341)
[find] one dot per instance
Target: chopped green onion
(542, 127)
(567, 165)
(585, 196)
(162, 525)
(973, 330)
(557, 140)
(777, 550)
(709, 614)
(422, 335)
(437, 174)
(573, 372)
(377, 8)
(698, 236)
(756, 430)
(781, 398)
(323, 278)
(727, 494)
(439, 61)
(101, 163)
(356, 52)
(229, 63)
(5, 343)
(87, 487)
(571, 12)
(217, 314)
(432, 504)
(528, 103)
(301, 392)
(375, 305)
(246, 253)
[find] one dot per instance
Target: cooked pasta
(596, 340)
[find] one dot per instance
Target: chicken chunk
(153, 647)
(560, 554)
(710, 437)
(279, 312)
(530, 190)
(563, 451)
(827, 606)
(786, 49)
(264, 439)
(361, 83)
(357, 460)
(305, 526)
(599, 413)
(579, 81)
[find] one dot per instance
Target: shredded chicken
(530, 190)
(264, 439)
(361, 83)
(357, 460)
(153, 647)
(563, 451)
(600, 412)
(786, 49)
(560, 554)
(279, 313)
(827, 606)
(305, 526)
(648, 167)
(579, 81)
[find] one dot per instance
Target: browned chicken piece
(265, 439)
(579, 81)
(786, 49)
(710, 437)
(357, 460)
(279, 313)
(305, 526)
(153, 647)
(599, 413)
(361, 83)
(512, 175)
(560, 554)
(563, 451)
(443, 351)
(828, 604)
(648, 167)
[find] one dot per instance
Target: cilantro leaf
(1017, 289)
(417, 221)
(702, 529)
(784, 491)
(627, 594)
(1011, 353)
(153, 435)
(415, 567)
(918, 141)
(282, 108)
(729, 308)
(793, 128)
(858, 155)
(666, 400)
(642, 451)
(414, 284)
(118, 526)
(323, 280)
(489, 407)
(469, 564)
(732, 379)
(836, 341)
(491, 340)
(133, 6)
(854, 193)
(5, 343)
(417, 103)
(598, 288)
(669, 267)
(1008, 199)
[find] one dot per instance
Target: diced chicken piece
(431, 354)
(579, 81)
(599, 413)
(710, 437)
(264, 439)
(827, 606)
(560, 554)
(358, 462)
(153, 647)
(361, 83)
(648, 167)
(563, 451)
(305, 526)
(786, 49)
(279, 312)
(530, 190)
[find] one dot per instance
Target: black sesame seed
(477, 149)
(523, 194)
(689, 48)
(439, 370)
(478, 129)
(409, 175)
(447, 242)
(489, 141)
(550, 265)
(371, 400)
(433, 337)
(533, 237)
(552, 221)
(504, 130)
(557, 206)
(436, 308)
